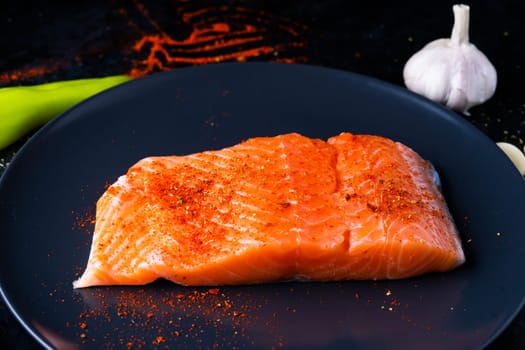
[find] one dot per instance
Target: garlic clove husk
(516, 156)
(452, 71)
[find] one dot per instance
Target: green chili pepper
(24, 108)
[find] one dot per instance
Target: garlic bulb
(452, 71)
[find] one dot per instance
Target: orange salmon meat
(289, 207)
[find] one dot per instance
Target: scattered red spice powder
(83, 221)
(29, 73)
(159, 340)
(395, 302)
(213, 291)
(187, 316)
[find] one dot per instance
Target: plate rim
(392, 88)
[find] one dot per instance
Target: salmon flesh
(354, 207)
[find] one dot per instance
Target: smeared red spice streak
(218, 34)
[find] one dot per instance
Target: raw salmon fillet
(274, 209)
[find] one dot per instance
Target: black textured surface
(94, 38)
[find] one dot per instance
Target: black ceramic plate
(48, 196)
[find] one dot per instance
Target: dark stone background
(50, 40)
